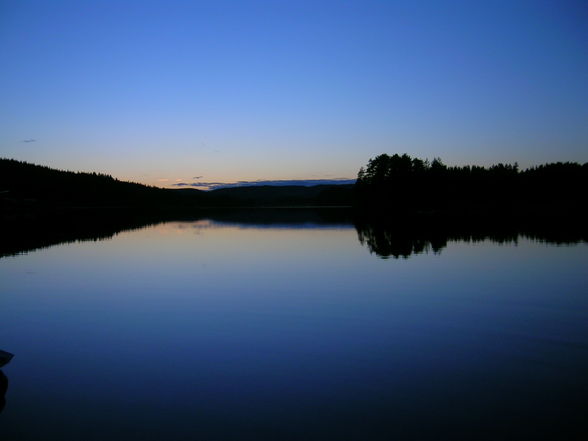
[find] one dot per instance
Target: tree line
(390, 182)
(24, 185)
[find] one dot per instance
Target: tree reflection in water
(404, 238)
(393, 235)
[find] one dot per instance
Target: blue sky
(162, 92)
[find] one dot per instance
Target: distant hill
(265, 183)
(339, 194)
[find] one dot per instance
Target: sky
(168, 92)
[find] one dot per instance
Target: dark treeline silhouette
(400, 182)
(416, 234)
(27, 187)
(387, 185)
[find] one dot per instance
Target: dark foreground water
(211, 330)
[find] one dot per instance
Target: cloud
(275, 183)
(200, 184)
(29, 140)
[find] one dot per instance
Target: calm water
(219, 331)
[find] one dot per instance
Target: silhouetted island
(399, 183)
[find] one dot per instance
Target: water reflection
(396, 238)
(21, 235)
(225, 329)
(401, 239)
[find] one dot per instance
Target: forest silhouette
(399, 183)
(28, 187)
(388, 185)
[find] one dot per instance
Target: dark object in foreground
(3, 389)
(5, 357)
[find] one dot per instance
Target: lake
(307, 329)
